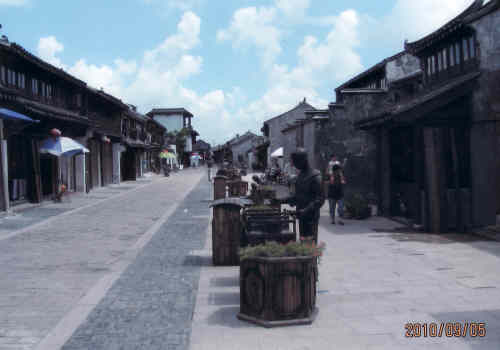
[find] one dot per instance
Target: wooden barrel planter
(278, 291)
(220, 187)
(238, 188)
(226, 232)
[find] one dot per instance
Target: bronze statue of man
(308, 197)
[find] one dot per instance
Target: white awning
(278, 153)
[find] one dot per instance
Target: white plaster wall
(172, 122)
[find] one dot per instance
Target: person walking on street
(336, 192)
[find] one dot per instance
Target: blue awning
(8, 114)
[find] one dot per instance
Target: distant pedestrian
(209, 168)
(330, 165)
(336, 192)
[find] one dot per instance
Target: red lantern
(55, 132)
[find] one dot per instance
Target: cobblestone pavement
(26, 215)
(50, 271)
(151, 305)
(373, 279)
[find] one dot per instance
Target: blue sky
(233, 64)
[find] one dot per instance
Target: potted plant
(278, 283)
(358, 207)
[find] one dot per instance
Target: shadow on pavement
(490, 318)
(226, 316)
(225, 281)
(224, 298)
(196, 260)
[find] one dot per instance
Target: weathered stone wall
(309, 142)
(276, 125)
(242, 149)
(485, 130)
(339, 137)
(289, 143)
(402, 67)
(359, 106)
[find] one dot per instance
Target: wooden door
(35, 182)
(107, 164)
(88, 177)
(94, 162)
(436, 187)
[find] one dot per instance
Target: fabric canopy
(8, 114)
(277, 153)
(167, 155)
(62, 146)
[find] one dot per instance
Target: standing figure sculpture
(308, 197)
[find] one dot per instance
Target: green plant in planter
(358, 207)
(276, 250)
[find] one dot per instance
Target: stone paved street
(55, 273)
(373, 279)
(132, 270)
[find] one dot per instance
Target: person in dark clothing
(336, 191)
(308, 196)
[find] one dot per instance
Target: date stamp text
(445, 329)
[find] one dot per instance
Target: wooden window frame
(35, 89)
(458, 53)
(465, 49)
(472, 47)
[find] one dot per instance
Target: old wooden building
(104, 142)
(134, 137)
(437, 142)
(155, 143)
(336, 133)
(40, 91)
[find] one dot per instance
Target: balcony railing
(451, 72)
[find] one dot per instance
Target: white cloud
(321, 63)
(158, 80)
(161, 76)
(182, 5)
(254, 26)
(102, 76)
(14, 2)
(335, 58)
(409, 20)
(48, 48)
(185, 5)
(294, 9)
(124, 67)
(186, 38)
(418, 18)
